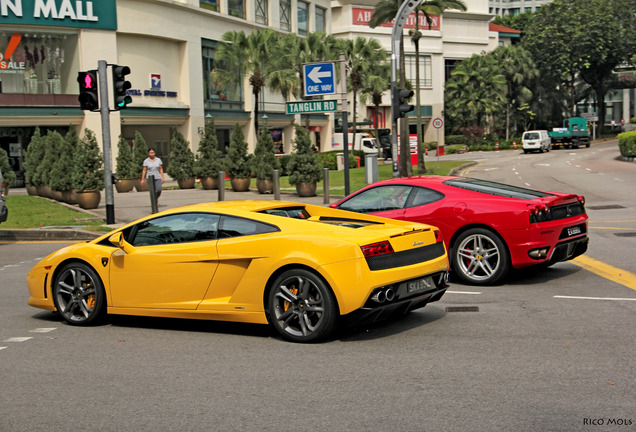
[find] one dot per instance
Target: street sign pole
(105, 113)
(345, 123)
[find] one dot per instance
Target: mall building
(169, 46)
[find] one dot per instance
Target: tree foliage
(62, 171)
(303, 165)
(88, 169)
(237, 162)
(265, 160)
(209, 159)
(32, 158)
(181, 165)
(7, 173)
(125, 166)
(140, 153)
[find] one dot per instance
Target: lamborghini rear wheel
(78, 294)
(301, 306)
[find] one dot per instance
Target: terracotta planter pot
(141, 187)
(124, 185)
(89, 199)
(186, 183)
(44, 191)
(240, 184)
(69, 197)
(57, 195)
(305, 189)
(210, 183)
(31, 190)
(264, 186)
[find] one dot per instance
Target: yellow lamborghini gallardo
(296, 266)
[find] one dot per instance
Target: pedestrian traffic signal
(88, 93)
(120, 86)
(400, 107)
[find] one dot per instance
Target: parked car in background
(489, 228)
(536, 140)
(296, 266)
(4, 211)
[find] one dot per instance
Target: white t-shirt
(152, 167)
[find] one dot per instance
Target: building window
(236, 8)
(210, 4)
(303, 18)
(217, 95)
(285, 13)
(426, 72)
(261, 11)
(321, 19)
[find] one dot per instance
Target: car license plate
(574, 231)
(419, 285)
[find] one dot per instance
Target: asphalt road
(549, 350)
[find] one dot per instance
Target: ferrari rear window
(493, 188)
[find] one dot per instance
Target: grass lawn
(33, 212)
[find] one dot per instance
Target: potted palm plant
(265, 161)
(181, 166)
(209, 158)
(237, 162)
(88, 172)
(304, 168)
(140, 153)
(124, 168)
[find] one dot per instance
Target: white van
(538, 140)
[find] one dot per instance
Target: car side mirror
(119, 241)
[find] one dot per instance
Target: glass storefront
(38, 61)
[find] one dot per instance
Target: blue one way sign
(320, 78)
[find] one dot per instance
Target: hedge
(627, 144)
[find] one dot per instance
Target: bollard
(276, 184)
(153, 194)
(325, 186)
(221, 186)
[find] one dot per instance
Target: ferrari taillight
(581, 199)
(539, 213)
(438, 236)
(375, 249)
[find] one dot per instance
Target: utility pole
(105, 114)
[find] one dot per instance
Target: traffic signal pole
(405, 10)
(105, 113)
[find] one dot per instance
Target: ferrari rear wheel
(480, 257)
(302, 307)
(78, 294)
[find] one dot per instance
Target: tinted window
(176, 228)
(236, 227)
(378, 199)
(531, 136)
(421, 196)
(498, 189)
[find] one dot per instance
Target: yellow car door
(168, 263)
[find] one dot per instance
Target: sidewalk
(134, 205)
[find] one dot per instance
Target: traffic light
(120, 85)
(88, 93)
(400, 107)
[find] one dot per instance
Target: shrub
(455, 139)
(209, 160)
(284, 161)
(5, 167)
(265, 160)
(32, 158)
(304, 165)
(632, 120)
(627, 144)
(140, 153)
(237, 162)
(181, 157)
(452, 149)
(88, 172)
(52, 143)
(473, 135)
(62, 173)
(329, 159)
(125, 165)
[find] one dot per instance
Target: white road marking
(1, 348)
(491, 169)
(588, 169)
(462, 292)
(617, 179)
(543, 164)
(528, 184)
(17, 339)
(596, 298)
(43, 330)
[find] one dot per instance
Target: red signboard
(362, 16)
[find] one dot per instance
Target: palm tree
(428, 8)
(518, 69)
(361, 55)
(239, 54)
(375, 84)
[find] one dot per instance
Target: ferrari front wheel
(301, 306)
(78, 294)
(480, 257)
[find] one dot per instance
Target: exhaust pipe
(390, 294)
(379, 297)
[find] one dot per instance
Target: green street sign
(311, 106)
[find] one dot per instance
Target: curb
(39, 234)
